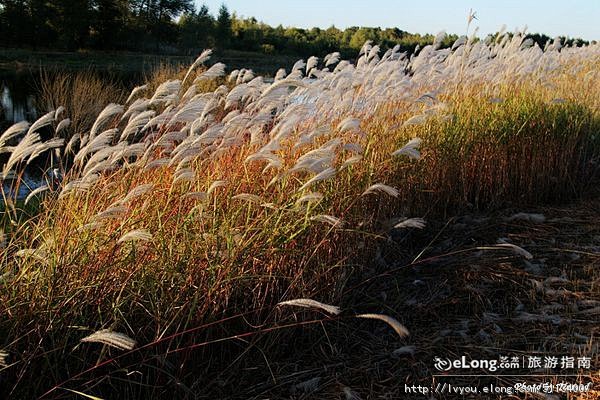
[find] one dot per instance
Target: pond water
(13, 111)
(26, 185)
(17, 98)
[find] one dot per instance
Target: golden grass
(83, 95)
(251, 199)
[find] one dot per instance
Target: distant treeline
(177, 27)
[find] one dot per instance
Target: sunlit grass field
(211, 194)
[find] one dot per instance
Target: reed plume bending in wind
(110, 338)
(309, 303)
(392, 322)
(136, 235)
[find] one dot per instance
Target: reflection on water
(21, 188)
(13, 111)
(17, 99)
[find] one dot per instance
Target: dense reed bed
(82, 94)
(214, 194)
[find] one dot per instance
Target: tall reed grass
(206, 195)
(82, 95)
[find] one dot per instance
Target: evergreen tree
(224, 22)
(71, 21)
(197, 30)
(110, 23)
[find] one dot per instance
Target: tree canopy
(177, 27)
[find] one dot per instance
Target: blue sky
(575, 18)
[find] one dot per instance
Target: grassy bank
(188, 214)
(129, 63)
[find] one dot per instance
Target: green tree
(362, 35)
(110, 23)
(15, 22)
(41, 32)
(157, 18)
(197, 30)
(224, 23)
(71, 20)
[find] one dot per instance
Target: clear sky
(575, 18)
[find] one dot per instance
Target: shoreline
(19, 60)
